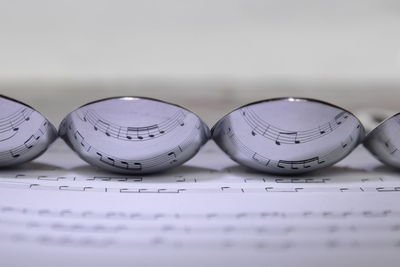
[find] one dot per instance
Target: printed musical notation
(188, 180)
(167, 241)
(166, 157)
(132, 133)
(342, 214)
(23, 149)
(212, 181)
(280, 136)
(9, 126)
(289, 164)
(197, 190)
(222, 230)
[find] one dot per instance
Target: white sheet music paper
(59, 211)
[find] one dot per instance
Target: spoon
(134, 135)
(288, 135)
(384, 142)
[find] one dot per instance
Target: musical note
(125, 164)
(277, 141)
(26, 116)
(349, 140)
(287, 136)
(339, 118)
(131, 132)
(296, 164)
(84, 117)
(14, 128)
(14, 154)
(321, 131)
(253, 132)
(142, 132)
(137, 166)
(174, 155)
(260, 159)
(29, 143)
(12, 122)
(104, 126)
(26, 146)
(107, 130)
(268, 131)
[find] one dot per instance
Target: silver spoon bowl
(134, 135)
(288, 135)
(384, 141)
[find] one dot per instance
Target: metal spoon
(384, 141)
(134, 135)
(24, 133)
(288, 135)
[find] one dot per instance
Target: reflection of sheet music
(281, 136)
(59, 211)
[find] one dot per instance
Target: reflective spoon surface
(384, 141)
(134, 135)
(288, 135)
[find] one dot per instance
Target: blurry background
(210, 56)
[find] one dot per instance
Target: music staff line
(239, 216)
(184, 244)
(27, 145)
(188, 180)
(223, 189)
(226, 229)
(10, 125)
(281, 136)
(12, 121)
(133, 133)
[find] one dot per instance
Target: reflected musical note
(14, 128)
(25, 115)
(133, 133)
(30, 142)
(286, 136)
(321, 131)
(259, 126)
(13, 121)
(14, 154)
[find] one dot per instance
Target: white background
(222, 53)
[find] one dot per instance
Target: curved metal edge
(17, 101)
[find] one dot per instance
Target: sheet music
(60, 211)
